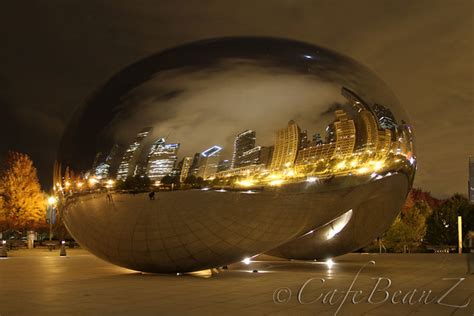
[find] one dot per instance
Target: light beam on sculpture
(219, 150)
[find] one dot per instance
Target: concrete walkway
(39, 282)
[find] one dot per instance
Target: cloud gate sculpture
(205, 154)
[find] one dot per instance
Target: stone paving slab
(39, 282)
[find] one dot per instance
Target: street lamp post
(459, 234)
(51, 203)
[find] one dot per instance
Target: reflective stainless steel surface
(205, 154)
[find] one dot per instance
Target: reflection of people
(151, 195)
(109, 196)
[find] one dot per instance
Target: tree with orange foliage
(22, 203)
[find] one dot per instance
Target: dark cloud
(55, 53)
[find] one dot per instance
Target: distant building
(266, 155)
(245, 141)
(317, 139)
(223, 165)
(161, 159)
(250, 157)
(257, 155)
(176, 172)
(471, 179)
(104, 169)
(304, 142)
(128, 164)
(345, 135)
(287, 144)
(185, 168)
(330, 134)
(369, 132)
(385, 117)
(208, 162)
(193, 170)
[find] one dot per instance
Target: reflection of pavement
(82, 284)
(189, 230)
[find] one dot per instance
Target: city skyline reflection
(219, 150)
(361, 140)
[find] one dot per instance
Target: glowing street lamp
(245, 183)
(93, 181)
(52, 200)
(110, 183)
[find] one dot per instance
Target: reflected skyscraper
(161, 159)
(250, 157)
(193, 170)
(345, 134)
(208, 162)
(317, 139)
(104, 169)
(244, 142)
(385, 117)
(304, 142)
(128, 165)
(287, 143)
(369, 133)
(224, 165)
(185, 168)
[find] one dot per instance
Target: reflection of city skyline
(357, 130)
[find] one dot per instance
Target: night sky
(54, 54)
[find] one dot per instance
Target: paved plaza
(39, 282)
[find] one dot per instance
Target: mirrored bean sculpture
(205, 154)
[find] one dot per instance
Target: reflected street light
(52, 200)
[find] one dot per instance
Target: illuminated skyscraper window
(286, 146)
(208, 162)
(244, 142)
(161, 159)
(130, 158)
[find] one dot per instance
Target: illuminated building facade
(286, 146)
(244, 142)
(369, 131)
(315, 152)
(161, 159)
(345, 134)
(103, 169)
(185, 167)
(128, 164)
(208, 162)
(250, 157)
